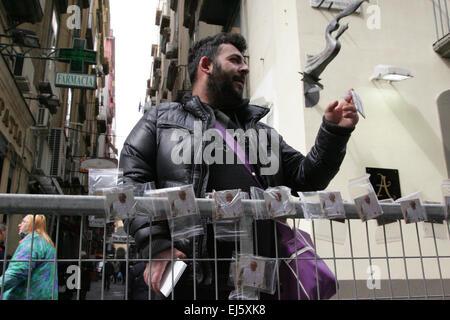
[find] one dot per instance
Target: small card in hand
(358, 103)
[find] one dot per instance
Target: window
(10, 178)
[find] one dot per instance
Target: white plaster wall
(274, 51)
(402, 129)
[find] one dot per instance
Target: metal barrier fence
(441, 18)
(405, 261)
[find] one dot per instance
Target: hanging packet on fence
(228, 204)
(366, 201)
(184, 217)
(100, 180)
(250, 271)
(322, 205)
(259, 209)
(119, 203)
(228, 215)
(144, 208)
(278, 202)
(158, 206)
(412, 208)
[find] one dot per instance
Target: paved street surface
(115, 292)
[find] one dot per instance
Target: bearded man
(218, 71)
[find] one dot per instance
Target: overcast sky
(133, 22)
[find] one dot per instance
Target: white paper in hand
(358, 103)
(166, 280)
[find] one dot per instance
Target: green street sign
(76, 80)
(78, 56)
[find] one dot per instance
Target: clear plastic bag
(259, 209)
(184, 217)
(366, 201)
(254, 272)
(101, 180)
(158, 206)
(278, 202)
(119, 203)
(412, 208)
(311, 205)
(228, 204)
(144, 208)
(446, 194)
(228, 215)
(331, 204)
(322, 205)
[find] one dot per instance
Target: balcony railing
(442, 27)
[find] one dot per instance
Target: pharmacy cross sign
(77, 56)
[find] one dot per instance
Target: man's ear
(205, 66)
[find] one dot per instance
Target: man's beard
(221, 91)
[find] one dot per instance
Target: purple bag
(299, 276)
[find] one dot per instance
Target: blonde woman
(43, 282)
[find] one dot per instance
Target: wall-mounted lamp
(25, 38)
(390, 73)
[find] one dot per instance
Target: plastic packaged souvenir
(366, 201)
(259, 209)
(412, 208)
(228, 215)
(278, 202)
(184, 217)
(254, 272)
(120, 203)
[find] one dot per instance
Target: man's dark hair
(208, 47)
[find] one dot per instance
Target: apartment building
(49, 128)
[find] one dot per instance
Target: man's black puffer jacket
(146, 156)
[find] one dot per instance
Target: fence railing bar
(193, 265)
(80, 245)
(102, 297)
(150, 260)
(408, 298)
(370, 258)
(404, 259)
(94, 205)
(277, 260)
(315, 259)
(228, 259)
(421, 261)
(387, 261)
(334, 259)
(55, 260)
(59, 212)
(31, 257)
(172, 259)
(216, 280)
(126, 263)
(296, 264)
(352, 259)
(5, 258)
(438, 261)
